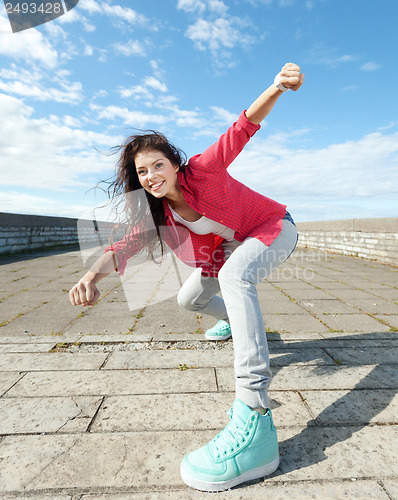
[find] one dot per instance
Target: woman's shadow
(346, 416)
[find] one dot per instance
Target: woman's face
(156, 173)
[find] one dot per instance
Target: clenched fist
(84, 293)
(290, 76)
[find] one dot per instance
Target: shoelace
(228, 439)
(221, 326)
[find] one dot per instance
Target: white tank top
(205, 226)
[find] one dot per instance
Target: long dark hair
(133, 207)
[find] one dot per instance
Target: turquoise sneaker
(246, 449)
(221, 331)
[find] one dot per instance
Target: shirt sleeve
(222, 153)
(124, 250)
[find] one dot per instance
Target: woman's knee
(186, 302)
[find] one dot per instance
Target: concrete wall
(374, 239)
(25, 233)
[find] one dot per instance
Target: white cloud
(131, 48)
(90, 6)
(25, 203)
(47, 153)
(29, 83)
(327, 56)
(154, 83)
(192, 5)
(224, 116)
(88, 50)
(200, 6)
(138, 92)
(350, 87)
(347, 171)
(114, 11)
(370, 66)
(145, 89)
(30, 45)
(137, 119)
(124, 13)
(217, 31)
(219, 35)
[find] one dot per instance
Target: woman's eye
(159, 165)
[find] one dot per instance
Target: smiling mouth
(156, 186)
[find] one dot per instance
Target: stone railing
(373, 239)
(26, 233)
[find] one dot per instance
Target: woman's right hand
(84, 293)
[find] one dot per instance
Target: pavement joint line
(310, 423)
(308, 408)
(23, 374)
(299, 303)
(106, 360)
(6, 322)
(302, 485)
(216, 378)
(88, 429)
(52, 461)
(384, 488)
(309, 312)
(335, 361)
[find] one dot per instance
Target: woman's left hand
(290, 76)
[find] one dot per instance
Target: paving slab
(391, 319)
(351, 294)
(345, 452)
(327, 306)
(53, 361)
(305, 295)
(294, 323)
(352, 322)
(281, 306)
(108, 382)
(389, 294)
(325, 490)
(111, 460)
(391, 486)
(26, 347)
(46, 319)
(187, 411)
(338, 407)
(115, 321)
(365, 355)
(109, 338)
(374, 306)
(7, 380)
(45, 415)
(120, 360)
(321, 377)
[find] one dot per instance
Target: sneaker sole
(218, 337)
(258, 473)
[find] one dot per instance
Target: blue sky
(76, 86)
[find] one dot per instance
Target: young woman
(235, 237)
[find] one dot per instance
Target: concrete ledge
(376, 225)
(24, 233)
(373, 239)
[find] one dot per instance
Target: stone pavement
(103, 402)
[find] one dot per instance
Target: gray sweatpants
(247, 264)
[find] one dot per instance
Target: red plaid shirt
(211, 191)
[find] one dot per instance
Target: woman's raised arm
(290, 77)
